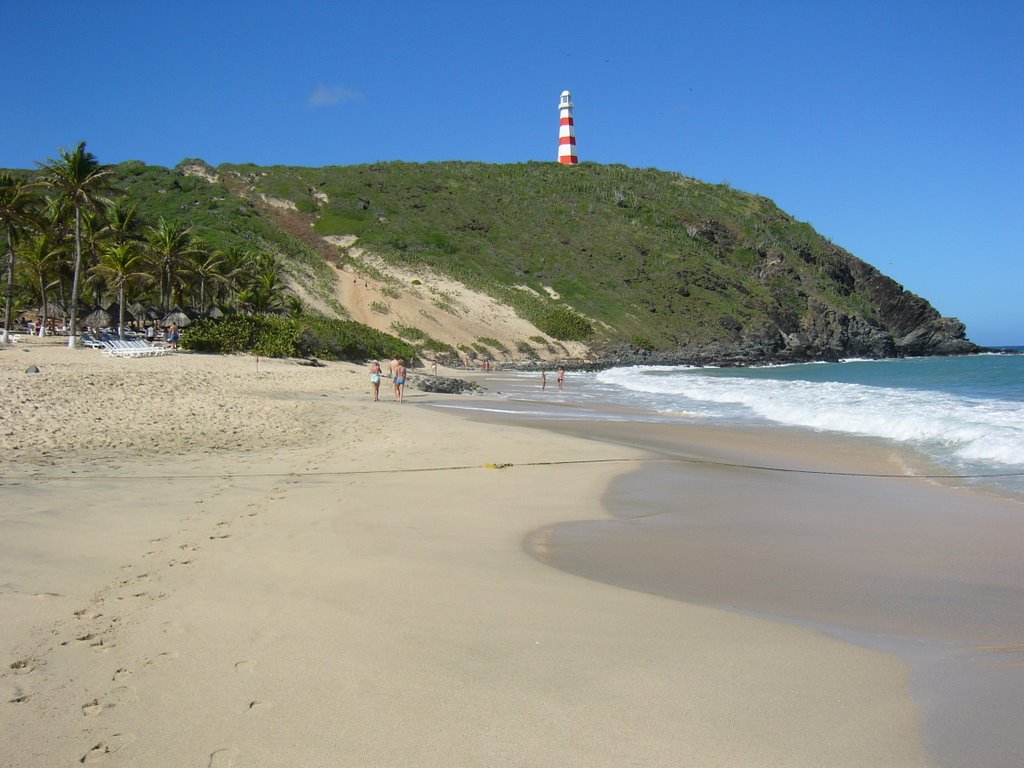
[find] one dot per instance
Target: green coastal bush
(265, 335)
(305, 336)
(565, 325)
(492, 343)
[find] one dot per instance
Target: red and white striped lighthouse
(566, 131)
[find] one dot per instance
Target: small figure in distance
(172, 336)
(400, 381)
(433, 367)
(543, 380)
(561, 378)
(375, 380)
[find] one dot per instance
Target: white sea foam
(951, 426)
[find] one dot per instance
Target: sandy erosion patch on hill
(439, 306)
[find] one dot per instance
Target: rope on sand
(8, 479)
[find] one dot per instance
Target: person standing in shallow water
(560, 377)
(543, 380)
(375, 380)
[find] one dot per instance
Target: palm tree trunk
(9, 306)
(73, 333)
(120, 310)
(42, 305)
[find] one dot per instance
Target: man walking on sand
(400, 375)
(394, 365)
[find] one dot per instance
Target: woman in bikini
(375, 380)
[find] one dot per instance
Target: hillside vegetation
(633, 263)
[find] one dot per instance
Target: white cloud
(328, 96)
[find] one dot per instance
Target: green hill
(636, 263)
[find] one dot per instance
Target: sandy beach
(203, 563)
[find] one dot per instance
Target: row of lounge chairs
(114, 347)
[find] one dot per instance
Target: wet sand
(827, 532)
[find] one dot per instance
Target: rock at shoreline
(444, 385)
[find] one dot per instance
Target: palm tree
(17, 201)
(93, 235)
(266, 293)
(236, 268)
(80, 183)
(38, 255)
(122, 221)
(204, 266)
(121, 263)
(170, 244)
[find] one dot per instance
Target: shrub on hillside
(565, 325)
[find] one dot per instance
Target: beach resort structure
(566, 131)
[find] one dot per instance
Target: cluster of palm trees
(69, 239)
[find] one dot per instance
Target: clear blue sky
(895, 128)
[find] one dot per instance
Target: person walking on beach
(393, 367)
(561, 378)
(375, 380)
(172, 336)
(400, 381)
(543, 380)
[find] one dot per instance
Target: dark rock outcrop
(444, 384)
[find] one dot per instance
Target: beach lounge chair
(137, 348)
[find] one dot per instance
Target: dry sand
(202, 565)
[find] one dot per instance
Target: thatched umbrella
(123, 315)
(176, 317)
(138, 310)
(98, 318)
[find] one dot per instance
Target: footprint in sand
(123, 694)
(162, 658)
(170, 628)
(257, 704)
(87, 637)
(121, 674)
(107, 747)
(100, 646)
(221, 536)
(223, 758)
(24, 666)
(92, 708)
(245, 665)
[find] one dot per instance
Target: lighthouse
(566, 131)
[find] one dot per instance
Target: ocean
(963, 414)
